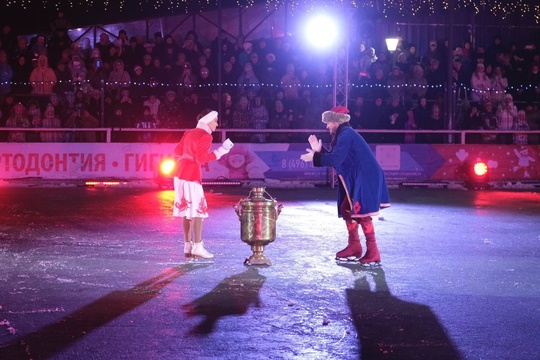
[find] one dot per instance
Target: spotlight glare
(321, 31)
(167, 166)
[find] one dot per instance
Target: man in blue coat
(362, 190)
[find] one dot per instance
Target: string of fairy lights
(499, 8)
(158, 85)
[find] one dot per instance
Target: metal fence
(109, 135)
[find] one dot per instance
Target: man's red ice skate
(353, 252)
(372, 257)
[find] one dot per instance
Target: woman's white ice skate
(200, 254)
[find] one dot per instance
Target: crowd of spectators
(121, 82)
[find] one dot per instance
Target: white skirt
(189, 200)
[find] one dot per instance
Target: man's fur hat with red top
(338, 114)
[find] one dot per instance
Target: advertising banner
(279, 162)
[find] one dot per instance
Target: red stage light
(478, 175)
(164, 174)
(480, 168)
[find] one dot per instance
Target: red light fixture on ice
(166, 167)
(165, 173)
(478, 176)
(480, 169)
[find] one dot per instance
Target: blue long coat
(362, 181)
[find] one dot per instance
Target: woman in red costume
(189, 201)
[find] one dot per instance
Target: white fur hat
(208, 118)
(338, 114)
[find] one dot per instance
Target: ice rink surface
(99, 273)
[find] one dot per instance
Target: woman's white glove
(316, 144)
(223, 149)
(227, 144)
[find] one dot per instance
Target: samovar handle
(238, 209)
(279, 208)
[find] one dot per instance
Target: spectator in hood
(42, 77)
(118, 78)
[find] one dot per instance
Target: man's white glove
(307, 157)
(315, 144)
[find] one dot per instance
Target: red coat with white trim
(193, 150)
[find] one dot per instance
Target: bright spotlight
(322, 31)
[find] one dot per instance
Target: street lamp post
(391, 45)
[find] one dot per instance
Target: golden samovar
(258, 215)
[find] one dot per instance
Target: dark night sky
(36, 16)
(32, 16)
